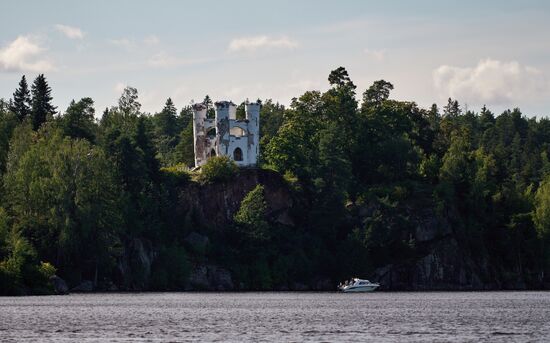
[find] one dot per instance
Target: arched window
(211, 133)
(238, 154)
(212, 153)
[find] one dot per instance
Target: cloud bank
(24, 54)
(491, 82)
(70, 31)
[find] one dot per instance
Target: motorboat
(358, 285)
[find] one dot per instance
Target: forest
(76, 187)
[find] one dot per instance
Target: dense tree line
(75, 190)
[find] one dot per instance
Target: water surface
(287, 317)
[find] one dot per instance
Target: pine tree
(452, 109)
(166, 121)
(41, 101)
(169, 107)
(210, 113)
(21, 100)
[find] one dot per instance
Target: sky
(478, 52)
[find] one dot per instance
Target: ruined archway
(211, 133)
(238, 154)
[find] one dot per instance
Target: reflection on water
(260, 317)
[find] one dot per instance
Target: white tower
(224, 111)
(253, 144)
(199, 134)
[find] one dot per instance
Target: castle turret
(199, 134)
(224, 111)
(253, 117)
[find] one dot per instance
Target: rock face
(213, 206)
(197, 242)
(210, 278)
(444, 262)
(216, 204)
(440, 259)
(445, 267)
(59, 285)
(134, 267)
(85, 286)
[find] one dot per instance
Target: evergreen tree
(169, 107)
(166, 121)
(452, 109)
(251, 215)
(42, 107)
(21, 104)
(210, 112)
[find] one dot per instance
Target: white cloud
(24, 54)
(261, 42)
(70, 31)
(491, 82)
(378, 55)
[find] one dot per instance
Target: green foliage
(65, 201)
(377, 93)
(541, 215)
(128, 102)
(218, 169)
(8, 123)
(250, 218)
(167, 129)
(22, 100)
(4, 233)
(42, 108)
(77, 193)
(79, 120)
(47, 270)
(171, 269)
(184, 149)
(210, 111)
(21, 272)
(271, 118)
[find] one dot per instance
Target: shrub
(176, 175)
(47, 270)
(250, 218)
(218, 169)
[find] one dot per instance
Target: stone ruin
(225, 135)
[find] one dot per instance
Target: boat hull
(359, 289)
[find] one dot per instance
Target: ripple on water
(264, 317)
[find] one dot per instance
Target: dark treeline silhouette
(75, 191)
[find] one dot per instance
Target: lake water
(281, 317)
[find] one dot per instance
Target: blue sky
(479, 52)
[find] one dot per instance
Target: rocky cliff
(442, 260)
(214, 205)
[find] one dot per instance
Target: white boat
(358, 285)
